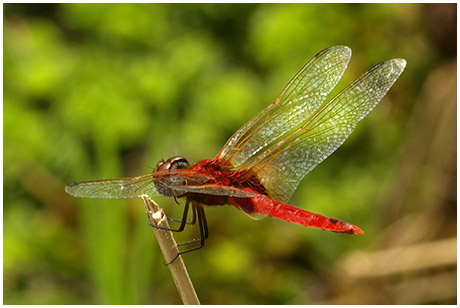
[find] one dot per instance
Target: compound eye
(178, 162)
(159, 164)
(163, 165)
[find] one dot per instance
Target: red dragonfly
(260, 166)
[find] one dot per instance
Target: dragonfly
(261, 165)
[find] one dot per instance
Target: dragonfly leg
(183, 221)
(204, 233)
(205, 224)
(195, 240)
(191, 222)
(180, 220)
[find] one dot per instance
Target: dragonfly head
(176, 162)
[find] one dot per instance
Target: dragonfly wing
(114, 188)
(284, 164)
(218, 190)
(296, 103)
(136, 186)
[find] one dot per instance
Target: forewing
(283, 165)
(136, 186)
(296, 103)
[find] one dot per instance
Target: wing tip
(400, 62)
(344, 49)
(69, 189)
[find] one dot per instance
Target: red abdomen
(266, 206)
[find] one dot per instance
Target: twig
(169, 248)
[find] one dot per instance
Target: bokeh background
(101, 91)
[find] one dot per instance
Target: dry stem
(169, 248)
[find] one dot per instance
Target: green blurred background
(106, 90)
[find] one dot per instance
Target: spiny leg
(183, 221)
(195, 240)
(205, 224)
(191, 222)
(204, 233)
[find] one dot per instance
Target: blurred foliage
(106, 90)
